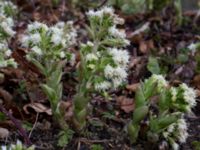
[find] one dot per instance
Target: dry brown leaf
(133, 87)
(4, 133)
(38, 107)
(126, 104)
(67, 108)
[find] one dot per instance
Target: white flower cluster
(52, 41)
(6, 7)
(5, 53)
(160, 81)
(189, 96)
(178, 132)
(6, 25)
(6, 32)
(108, 13)
(109, 62)
(183, 96)
(18, 146)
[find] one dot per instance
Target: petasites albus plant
(161, 108)
(104, 61)
(48, 51)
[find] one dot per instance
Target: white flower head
(120, 57)
(25, 40)
(102, 86)
(116, 32)
(37, 50)
(175, 146)
(182, 133)
(160, 80)
(35, 38)
(174, 93)
(62, 54)
(90, 57)
(192, 46)
(8, 53)
(56, 39)
(189, 95)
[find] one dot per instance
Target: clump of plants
(104, 62)
(161, 108)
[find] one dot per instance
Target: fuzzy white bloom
(182, 130)
(90, 57)
(37, 50)
(171, 128)
(37, 25)
(8, 53)
(5, 4)
(116, 32)
(189, 95)
(160, 80)
(192, 47)
(108, 71)
(35, 38)
(62, 54)
(101, 12)
(56, 39)
(89, 43)
(175, 146)
(7, 24)
(4, 148)
(174, 93)
(25, 40)
(102, 86)
(117, 72)
(120, 57)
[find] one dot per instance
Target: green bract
(161, 108)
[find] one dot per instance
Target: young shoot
(162, 109)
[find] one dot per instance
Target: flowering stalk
(164, 116)
(48, 52)
(103, 63)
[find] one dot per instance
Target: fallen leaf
(126, 104)
(67, 108)
(4, 133)
(133, 87)
(38, 107)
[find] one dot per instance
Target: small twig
(94, 141)
(18, 125)
(102, 3)
(34, 125)
(79, 145)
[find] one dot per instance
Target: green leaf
(51, 94)
(39, 66)
(140, 113)
(65, 137)
(96, 147)
(139, 97)
(153, 65)
(133, 131)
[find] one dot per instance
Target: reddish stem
(18, 125)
